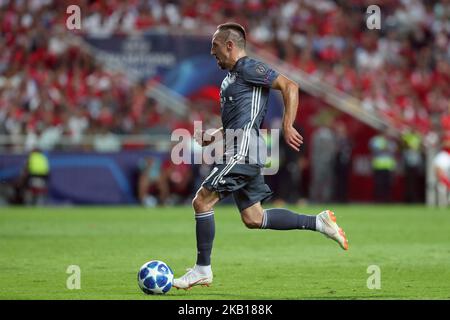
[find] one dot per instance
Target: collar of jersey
(236, 65)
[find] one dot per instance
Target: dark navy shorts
(244, 181)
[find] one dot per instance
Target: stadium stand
(54, 93)
(401, 73)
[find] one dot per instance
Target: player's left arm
(289, 91)
(205, 137)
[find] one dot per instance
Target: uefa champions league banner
(85, 178)
(160, 56)
(180, 62)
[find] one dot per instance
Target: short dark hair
(236, 32)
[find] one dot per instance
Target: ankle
(203, 269)
(319, 224)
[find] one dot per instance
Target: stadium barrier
(85, 177)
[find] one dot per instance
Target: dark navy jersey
(244, 96)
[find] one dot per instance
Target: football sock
(284, 219)
(205, 231)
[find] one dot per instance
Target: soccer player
(244, 95)
(441, 165)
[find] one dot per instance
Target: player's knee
(197, 204)
(200, 204)
(252, 216)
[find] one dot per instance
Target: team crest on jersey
(260, 68)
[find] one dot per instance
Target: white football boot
(326, 224)
(193, 277)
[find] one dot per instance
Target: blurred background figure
(414, 165)
(153, 187)
(323, 155)
(441, 165)
(342, 162)
(288, 182)
(180, 181)
(32, 186)
(384, 163)
(105, 141)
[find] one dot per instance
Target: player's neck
(236, 58)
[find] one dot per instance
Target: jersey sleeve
(260, 74)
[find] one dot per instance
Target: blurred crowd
(50, 89)
(400, 72)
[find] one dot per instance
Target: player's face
(220, 51)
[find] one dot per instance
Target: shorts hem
(222, 194)
(262, 200)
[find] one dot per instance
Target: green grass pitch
(410, 245)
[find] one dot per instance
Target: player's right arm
(204, 138)
(289, 91)
(260, 74)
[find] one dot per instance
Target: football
(155, 277)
